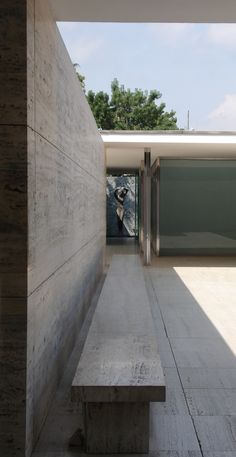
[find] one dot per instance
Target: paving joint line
(149, 279)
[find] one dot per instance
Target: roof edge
(168, 132)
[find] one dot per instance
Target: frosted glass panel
(197, 207)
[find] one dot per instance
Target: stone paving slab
(175, 403)
(216, 433)
(188, 323)
(211, 402)
(204, 378)
(202, 353)
(166, 354)
(57, 432)
(172, 433)
(219, 454)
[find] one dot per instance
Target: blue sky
(192, 65)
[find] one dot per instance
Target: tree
(127, 110)
(100, 106)
(81, 78)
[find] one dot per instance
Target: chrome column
(147, 207)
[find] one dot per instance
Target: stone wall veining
(53, 216)
(66, 201)
(13, 226)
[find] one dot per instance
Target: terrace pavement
(193, 301)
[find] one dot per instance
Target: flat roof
(201, 11)
(125, 149)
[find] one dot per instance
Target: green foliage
(81, 78)
(100, 106)
(127, 110)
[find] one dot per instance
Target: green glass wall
(197, 207)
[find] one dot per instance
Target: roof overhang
(201, 11)
(125, 150)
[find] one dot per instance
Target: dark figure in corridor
(120, 194)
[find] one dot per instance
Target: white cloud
(222, 34)
(81, 46)
(224, 116)
(174, 34)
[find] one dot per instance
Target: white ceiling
(124, 151)
(144, 10)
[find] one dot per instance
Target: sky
(192, 65)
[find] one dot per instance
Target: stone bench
(119, 372)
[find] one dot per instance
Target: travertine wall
(13, 226)
(54, 182)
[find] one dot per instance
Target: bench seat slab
(116, 428)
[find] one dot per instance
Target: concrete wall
(54, 217)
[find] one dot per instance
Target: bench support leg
(116, 427)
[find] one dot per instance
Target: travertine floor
(193, 301)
